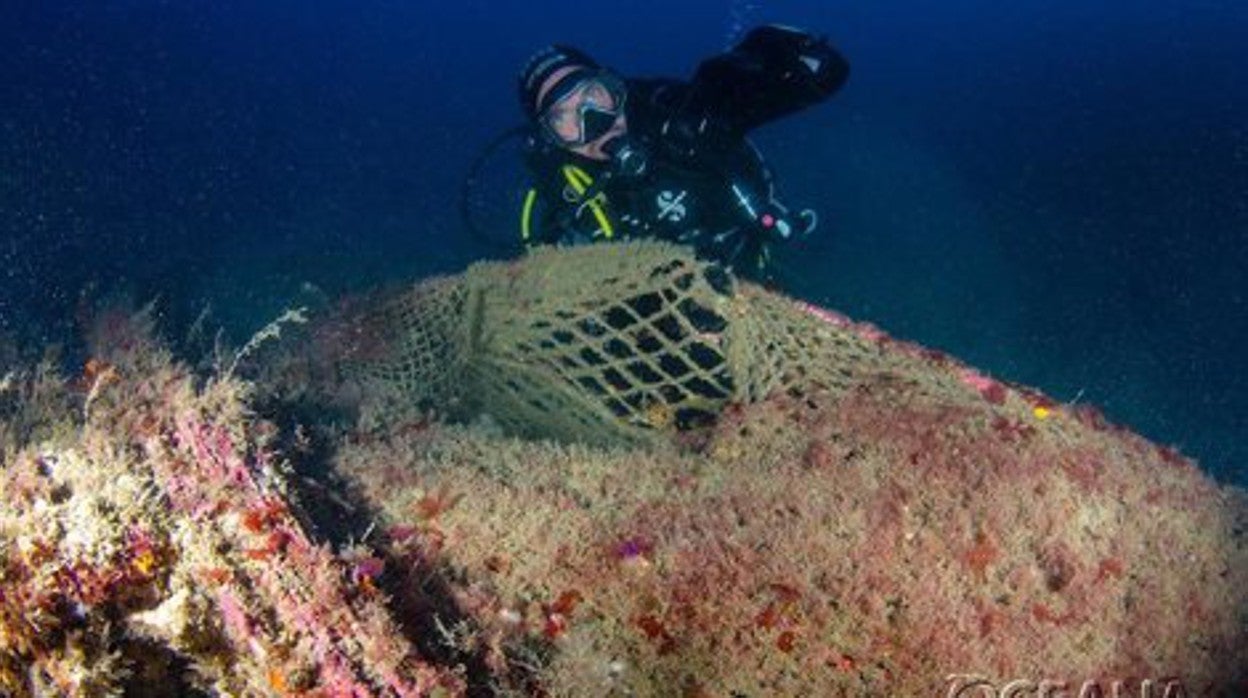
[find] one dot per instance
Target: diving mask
(583, 110)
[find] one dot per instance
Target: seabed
(530, 479)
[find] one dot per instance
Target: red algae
(166, 519)
(981, 555)
(900, 519)
(992, 391)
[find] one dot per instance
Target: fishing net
(607, 343)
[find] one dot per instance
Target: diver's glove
(797, 56)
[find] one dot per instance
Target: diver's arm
(772, 72)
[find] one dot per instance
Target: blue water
(1056, 192)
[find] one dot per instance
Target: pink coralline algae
(829, 316)
(868, 537)
(991, 390)
(165, 520)
(871, 534)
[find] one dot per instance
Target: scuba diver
(616, 158)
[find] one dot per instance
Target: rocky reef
(150, 545)
(848, 514)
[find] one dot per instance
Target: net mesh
(613, 343)
(602, 342)
(412, 345)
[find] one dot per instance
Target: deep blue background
(1056, 192)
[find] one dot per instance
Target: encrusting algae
(783, 502)
(154, 547)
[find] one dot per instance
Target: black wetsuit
(704, 184)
